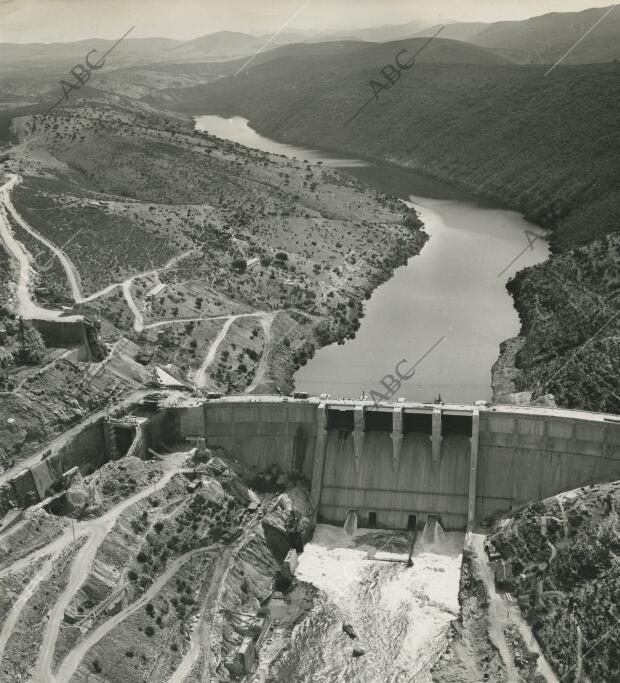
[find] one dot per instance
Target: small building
(491, 551)
(70, 616)
(155, 291)
(278, 605)
(504, 578)
(289, 566)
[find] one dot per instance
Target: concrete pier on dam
(397, 463)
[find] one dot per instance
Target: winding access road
(95, 531)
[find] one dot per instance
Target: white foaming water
(400, 614)
(350, 524)
(433, 536)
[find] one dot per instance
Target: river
(452, 298)
(399, 614)
(453, 291)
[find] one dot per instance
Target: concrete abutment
(397, 461)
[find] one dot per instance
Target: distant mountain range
(539, 40)
(544, 39)
(223, 45)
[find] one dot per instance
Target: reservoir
(447, 309)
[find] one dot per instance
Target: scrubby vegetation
(564, 553)
(239, 231)
(500, 132)
(572, 346)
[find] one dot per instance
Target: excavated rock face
(78, 497)
(290, 524)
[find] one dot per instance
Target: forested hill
(546, 38)
(546, 146)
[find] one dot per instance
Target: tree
(33, 343)
(240, 265)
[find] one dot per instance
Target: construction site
(244, 480)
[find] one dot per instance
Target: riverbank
(393, 176)
(455, 138)
(452, 293)
(257, 260)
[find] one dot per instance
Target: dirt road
(201, 374)
(209, 612)
(24, 304)
(96, 531)
(266, 322)
(59, 441)
(15, 612)
(502, 615)
(72, 661)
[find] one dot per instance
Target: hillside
(132, 51)
(547, 147)
(379, 34)
(502, 131)
(572, 347)
(546, 38)
(564, 552)
(144, 570)
(253, 257)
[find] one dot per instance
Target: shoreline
(504, 370)
(503, 365)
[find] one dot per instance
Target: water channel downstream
(452, 290)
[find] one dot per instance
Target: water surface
(400, 614)
(453, 291)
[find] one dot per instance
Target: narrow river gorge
(453, 291)
(451, 298)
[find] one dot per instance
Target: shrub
(96, 666)
(150, 631)
(145, 581)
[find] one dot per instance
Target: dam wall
(107, 438)
(522, 458)
(86, 450)
(81, 331)
(398, 463)
(262, 433)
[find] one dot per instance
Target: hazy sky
(62, 20)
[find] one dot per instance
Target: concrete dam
(397, 463)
